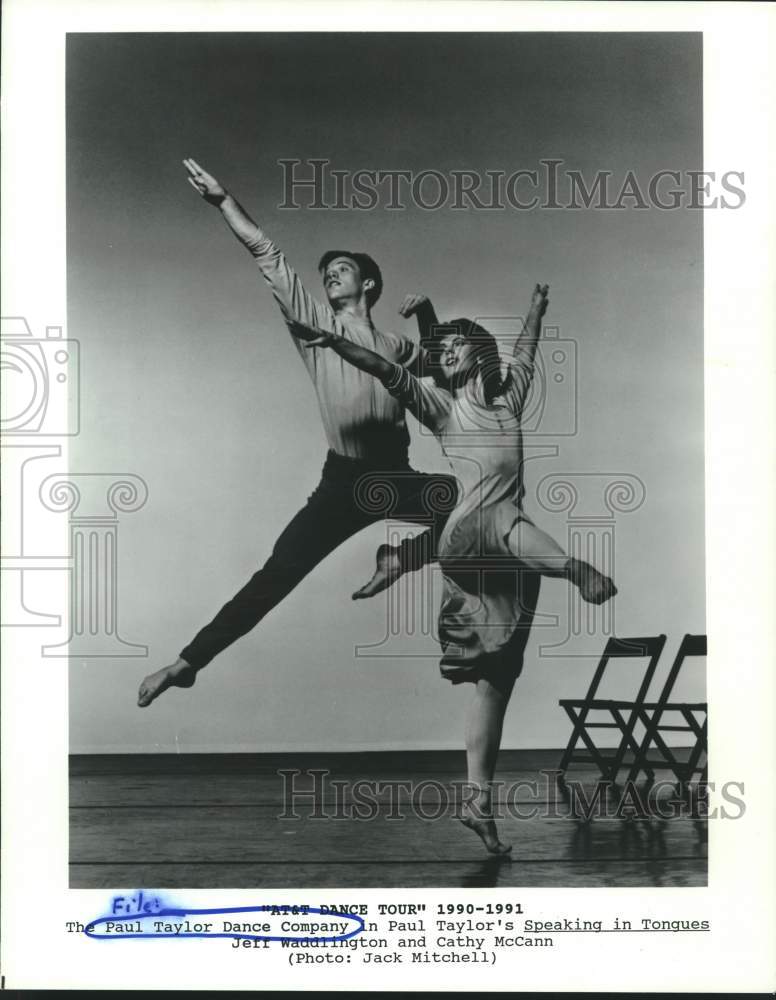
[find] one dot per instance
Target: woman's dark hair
(366, 266)
(486, 354)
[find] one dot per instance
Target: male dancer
(365, 429)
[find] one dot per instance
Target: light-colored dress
(487, 602)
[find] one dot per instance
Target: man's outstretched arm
(296, 304)
(238, 220)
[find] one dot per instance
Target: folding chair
(623, 714)
(694, 718)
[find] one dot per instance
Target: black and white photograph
(406, 349)
(371, 458)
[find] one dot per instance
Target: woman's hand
(540, 299)
(313, 336)
(413, 304)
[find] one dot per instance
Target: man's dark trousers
(352, 494)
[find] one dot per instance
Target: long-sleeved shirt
(483, 442)
(360, 417)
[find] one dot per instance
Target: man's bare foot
(595, 587)
(179, 674)
(485, 828)
(388, 572)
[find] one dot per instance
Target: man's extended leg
(321, 525)
(422, 497)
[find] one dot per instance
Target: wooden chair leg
(629, 742)
(701, 746)
(580, 733)
(572, 743)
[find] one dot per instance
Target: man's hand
(204, 184)
(413, 304)
(540, 299)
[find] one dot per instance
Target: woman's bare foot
(388, 572)
(485, 828)
(595, 587)
(179, 674)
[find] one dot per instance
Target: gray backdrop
(189, 379)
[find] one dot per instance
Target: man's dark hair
(367, 267)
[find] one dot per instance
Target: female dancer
(490, 552)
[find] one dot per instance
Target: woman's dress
(488, 602)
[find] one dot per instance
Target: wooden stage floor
(217, 821)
